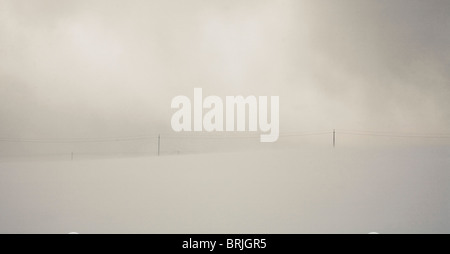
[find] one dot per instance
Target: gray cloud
(110, 68)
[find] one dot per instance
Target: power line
(306, 134)
(84, 140)
(394, 135)
(228, 136)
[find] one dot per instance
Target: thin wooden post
(334, 138)
(159, 143)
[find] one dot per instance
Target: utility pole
(159, 142)
(334, 138)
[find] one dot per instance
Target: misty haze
(87, 142)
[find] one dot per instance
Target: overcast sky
(71, 69)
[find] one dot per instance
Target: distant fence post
(334, 138)
(159, 143)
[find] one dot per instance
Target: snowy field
(389, 190)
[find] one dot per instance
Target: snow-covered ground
(342, 190)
